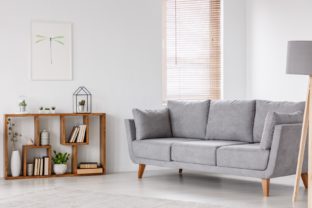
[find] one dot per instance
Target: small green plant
(82, 102)
(22, 103)
(41, 108)
(47, 109)
(60, 158)
(53, 108)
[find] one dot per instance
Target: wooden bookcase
(63, 141)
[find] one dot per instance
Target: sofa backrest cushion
(189, 119)
(231, 120)
(272, 119)
(262, 109)
(152, 123)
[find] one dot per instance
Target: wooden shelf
(52, 114)
(51, 176)
(63, 141)
(74, 143)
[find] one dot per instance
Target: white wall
(234, 49)
(270, 24)
(116, 55)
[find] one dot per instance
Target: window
(192, 50)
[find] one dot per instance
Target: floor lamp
(299, 61)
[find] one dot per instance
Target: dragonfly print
(57, 39)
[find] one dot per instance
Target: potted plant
(60, 162)
(82, 106)
(41, 110)
(46, 110)
(22, 104)
(16, 163)
(53, 109)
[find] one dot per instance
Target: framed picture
(51, 51)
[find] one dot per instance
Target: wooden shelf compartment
(27, 148)
(64, 139)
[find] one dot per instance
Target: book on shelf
(88, 165)
(46, 166)
(77, 134)
(89, 171)
(35, 166)
(41, 166)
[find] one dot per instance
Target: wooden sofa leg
(180, 171)
(141, 170)
(266, 187)
(304, 177)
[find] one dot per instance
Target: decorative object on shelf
(30, 169)
(53, 109)
(13, 136)
(44, 137)
(30, 142)
(82, 100)
(41, 110)
(22, 106)
(299, 62)
(81, 107)
(47, 110)
(51, 51)
(60, 162)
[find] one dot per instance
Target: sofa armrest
(284, 151)
(131, 136)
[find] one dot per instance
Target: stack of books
(41, 166)
(89, 168)
(78, 134)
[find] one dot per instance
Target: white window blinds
(192, 51)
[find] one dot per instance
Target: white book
(75, 134)
(40, 166)
(35, 166)
(81, 133)
(46, 166)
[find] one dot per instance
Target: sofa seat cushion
(245, 156)
(156, 149)
(199, 152)
(262, 109)
(231, 120)
(188, 119)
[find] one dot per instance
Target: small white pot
(16, 163)
(52, 111)
(81, 108)
(22, 109)
(59, 169)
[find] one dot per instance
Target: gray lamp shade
(299, 57)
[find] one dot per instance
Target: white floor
(221, 191)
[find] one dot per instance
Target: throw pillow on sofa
(152, 123)
(272, 119)
(265, 106)
(231, 120)
(189, 119)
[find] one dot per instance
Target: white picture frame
(51, 51)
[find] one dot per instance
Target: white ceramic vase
(16, 163)
(59, 169)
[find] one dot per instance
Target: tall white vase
(16, 163)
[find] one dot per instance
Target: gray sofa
(219, 137)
